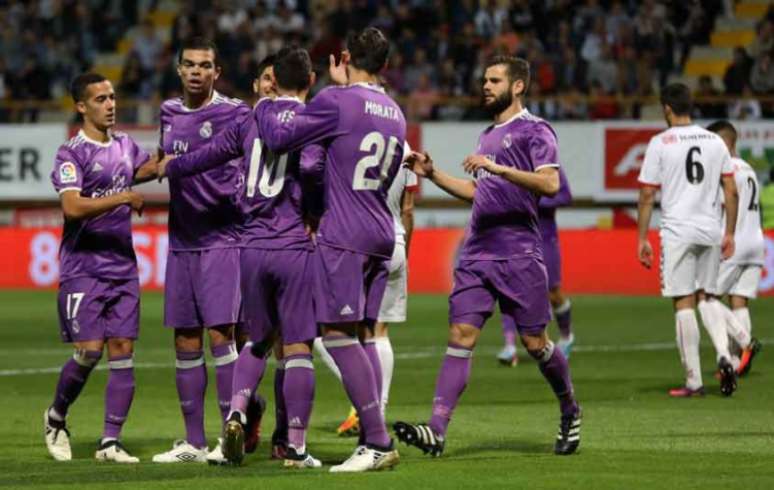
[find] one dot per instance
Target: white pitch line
(420, 354)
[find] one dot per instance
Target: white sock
(387, 360)
(712, 318)
(688, 344)
(323, 354)
(743, 315)
(736, 329)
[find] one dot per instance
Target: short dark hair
(292, 68)
(79, 84)
(723, 125)
(368, 50)
(678, 97)
(198, 43)
(516, 68)
(265, 63)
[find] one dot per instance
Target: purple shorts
(349, 286)
(98, 309)
(519, 285)
(553, 260)
(276, 285)
(201, 288)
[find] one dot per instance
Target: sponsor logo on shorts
(67, 173)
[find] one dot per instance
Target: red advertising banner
(624, 151)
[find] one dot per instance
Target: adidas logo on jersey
(346, 310)
(97, 167)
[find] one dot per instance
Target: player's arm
(562, 198)
(284, 131)
(148, 170)
(223, 148)
(312, 170)
(422, 165)
(543, 181)
(731, 200)
(645, 205)
(77, 207)
(407, 213)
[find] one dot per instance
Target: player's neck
(296, 94)
(681, 121)
(361, 76)
(196, 101)
(508, 113)
(94, 133)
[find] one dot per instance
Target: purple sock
(119, 393)
(553, 365)
(191, 379)
(563, 319)
(225, 356)
(373, 357)
(72, 379)
(280, 410)
(248, 371)
(451, 382)
(509, 333)
(360, 384)
(298, 391)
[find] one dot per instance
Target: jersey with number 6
(363, 131)
(687, 162)
(270, 197)
(748, 236)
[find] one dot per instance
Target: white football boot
(216, 456)
(114, 451)
(182, 452)
(368, 459)
(57, 439)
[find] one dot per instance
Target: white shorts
(688, 267)
(393, 307)
(739, 279)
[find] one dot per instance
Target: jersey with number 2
(687, 162)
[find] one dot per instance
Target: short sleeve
(650, 173)
(412, 181)
(137, 154)
(543, 148)
(67, 174)
(727, 167)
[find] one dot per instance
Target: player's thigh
(472, 299)
(553, 261)
(521, 286)
(377, 273)
(81, 306)
(748, 281)
(258, 290)
(707, 268)
(395, 300)
(678, 269)
(728, 275)
(179, 302)
(216, 286)
(295, 301)
(339, 285)
(122, 312)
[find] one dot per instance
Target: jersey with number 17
(687, 163)
(363, 131)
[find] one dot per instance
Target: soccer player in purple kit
(202, 278)
(560, 304)
(275, 261)
(501, 260)
(363, 131)
(99, 292)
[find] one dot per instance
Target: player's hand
(420, 163)
(338, 71)
(474, 162)
(161, 166)
(135, 201)
(645, 253)
(727, 247)
(311, 224)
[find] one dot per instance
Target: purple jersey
(202, 214)
(504, 222)
(100, 246)
(363, 131)
(547, 206)
(271, 198)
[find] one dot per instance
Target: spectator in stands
(489, 19)
(572, 105)
(393, 75)
(521, 16)
(147, 45)
(738, 72)
(604, 71)
(571, 70)
(591, 50)
(419, 68)
(628, 78)
(422, 99)
(602, 105)
(708, 109)
(746, 107)
(764, 40)
(617, 21)
(133, 78)
(762, 74)
(5, 89)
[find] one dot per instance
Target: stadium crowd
(586, 54)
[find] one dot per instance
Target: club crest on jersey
(668, 139)
(67, 173)
(206, 130)
(167, 128)
(507, 141)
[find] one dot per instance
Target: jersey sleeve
(650, 173)
(223, 148)
(286, 130)
(136, 153)
(562, 198)
(727, 165)
(312, 167)
(543, 148)
(67, 174)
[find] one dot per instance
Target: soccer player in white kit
(739, 276)
(690, 164)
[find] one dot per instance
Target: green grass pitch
(633, 436)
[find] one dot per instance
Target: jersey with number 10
(686, 162)
(363, 131)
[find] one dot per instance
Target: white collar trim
(518, 115)
(95, 142)
(370, 86)
(290, 97)
(215, 95)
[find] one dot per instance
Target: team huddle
(289, 226)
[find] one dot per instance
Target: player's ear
(80, 106)
(312, 79)
(518, 88)
(256, 85)
(217, 72)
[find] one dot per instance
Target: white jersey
(749, 234)
(404, 179)
(686, 162)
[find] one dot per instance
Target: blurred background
(597, 68)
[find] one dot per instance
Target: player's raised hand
(645, 253)
(727, 247)
(136, 201)
(475, 162)
(420, 163)
(338, 71)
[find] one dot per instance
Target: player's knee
(120, 347)
(541, 350)
(87, 358)
(534, 343)
(463, 335)
(298, 348)
(381, 329)
(188, 340)
(262, 348)
(221, 334)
